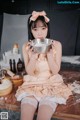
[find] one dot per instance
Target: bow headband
(35, 15)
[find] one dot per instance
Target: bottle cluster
(16, 68)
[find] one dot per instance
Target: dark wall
(64, 20)
(1, 24)
(64, 27)
(77, 48)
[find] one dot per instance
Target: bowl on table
(41, 45)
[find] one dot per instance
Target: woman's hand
(30, 51)
(28, 46)
(50, 52)
(33, 55)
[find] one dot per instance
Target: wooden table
(70, 111)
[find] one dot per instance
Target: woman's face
(40, 32)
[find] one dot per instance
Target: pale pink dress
(44, 84)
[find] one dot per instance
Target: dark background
(64, 20)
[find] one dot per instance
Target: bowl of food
(41, 45)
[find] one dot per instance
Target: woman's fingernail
(29, 40)
(30, 47)
(50, 46)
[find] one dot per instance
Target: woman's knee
(48, 102)
(30, 100)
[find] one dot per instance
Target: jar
(16, 48)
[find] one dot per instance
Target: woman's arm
(54, 59)
(25, 54)
(29, 62)
(32, 63)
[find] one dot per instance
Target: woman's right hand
(27, 47)
(31, 52)
(34, 55)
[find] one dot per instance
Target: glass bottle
(14, 66)
(10, 63)
(20, 66)
(16, 48)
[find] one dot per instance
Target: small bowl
(41, 45)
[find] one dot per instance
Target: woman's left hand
(50, 52)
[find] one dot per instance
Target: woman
(43, 87)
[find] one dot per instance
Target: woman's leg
(46, 110)
(28, 108)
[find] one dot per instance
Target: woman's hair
(32, 24)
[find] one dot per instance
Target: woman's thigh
(28, 108)
(48, 101)
(31, 100)
(46, 109)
